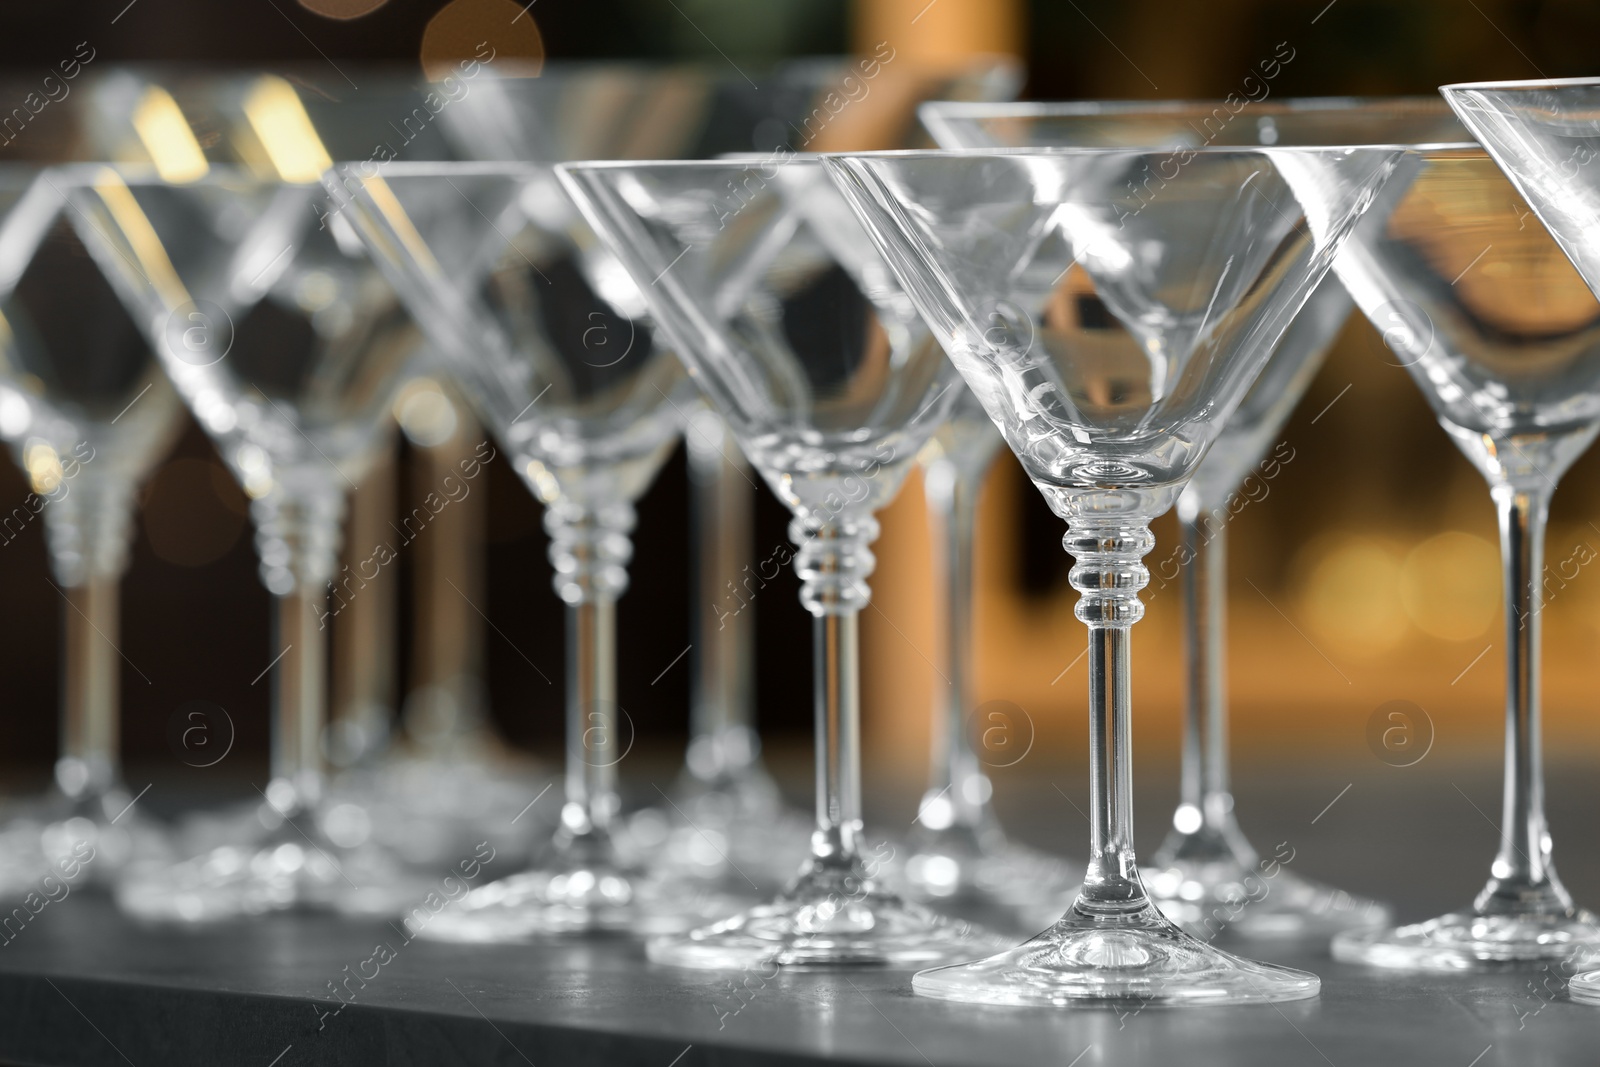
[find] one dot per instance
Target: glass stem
(722, 739)
(590, 549)
(1108, 573)
(592, 749)
(90, 739)
(1524, 878)
(1203, 826)
(300, 691)
(836, 661)
(952, 508)
(297, 541)
(833, 561)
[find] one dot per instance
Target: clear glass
(1503, 343)
(87, 413)
(804, 345)
(1110, 309)
(960, 861)
(1206, 875)
(1545, 135)
(726, 809)
(546, 336)
(288, 348)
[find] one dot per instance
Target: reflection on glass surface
(1110, 308)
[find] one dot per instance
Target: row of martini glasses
(1118, 292)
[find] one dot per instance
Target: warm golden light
(1351, 595)
(1450, 585)
(425, 414)
(482, 31)
(280, 122)
(43, 465)
(166, 136)
(342, 9)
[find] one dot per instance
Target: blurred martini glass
(288, 347)
(802, 342)
(87, 412)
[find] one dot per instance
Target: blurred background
(1364, 572)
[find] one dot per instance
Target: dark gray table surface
(80, 985)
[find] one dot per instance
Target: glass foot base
(573, 899)
(831, 918)
(1585, 988)
(1224, 897)
(991, 881)
(1464, 941)
(1139, 958)
(740, 831)
(278, 862)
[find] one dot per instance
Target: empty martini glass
(1545, 135)
(960, 860)
(1206, 875)
(802, 342)
(1508, 354)
(288, 348)
(544, 332)
(1197, 261)
(87, 413)
(726, 807)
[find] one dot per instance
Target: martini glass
(726, 807)
(87, 413)
(545, 333)
(1507, 355)
(1206, 875)
(808, 350)
(1110, 308)
(960, 861)
(288, 347)
(1545, 135)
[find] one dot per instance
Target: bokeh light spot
(486, 31)
(1450, 585)
(342, 9)
(1351, 595)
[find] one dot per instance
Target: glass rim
(1123, 106)
(1153, 150)
(1522, 84)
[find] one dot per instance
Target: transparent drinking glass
(1504, 348)
(1206, 875)
(87, 413)
(801, 341)
(1110, 309)
(546, 335)
(288, 347)
(959, 859)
